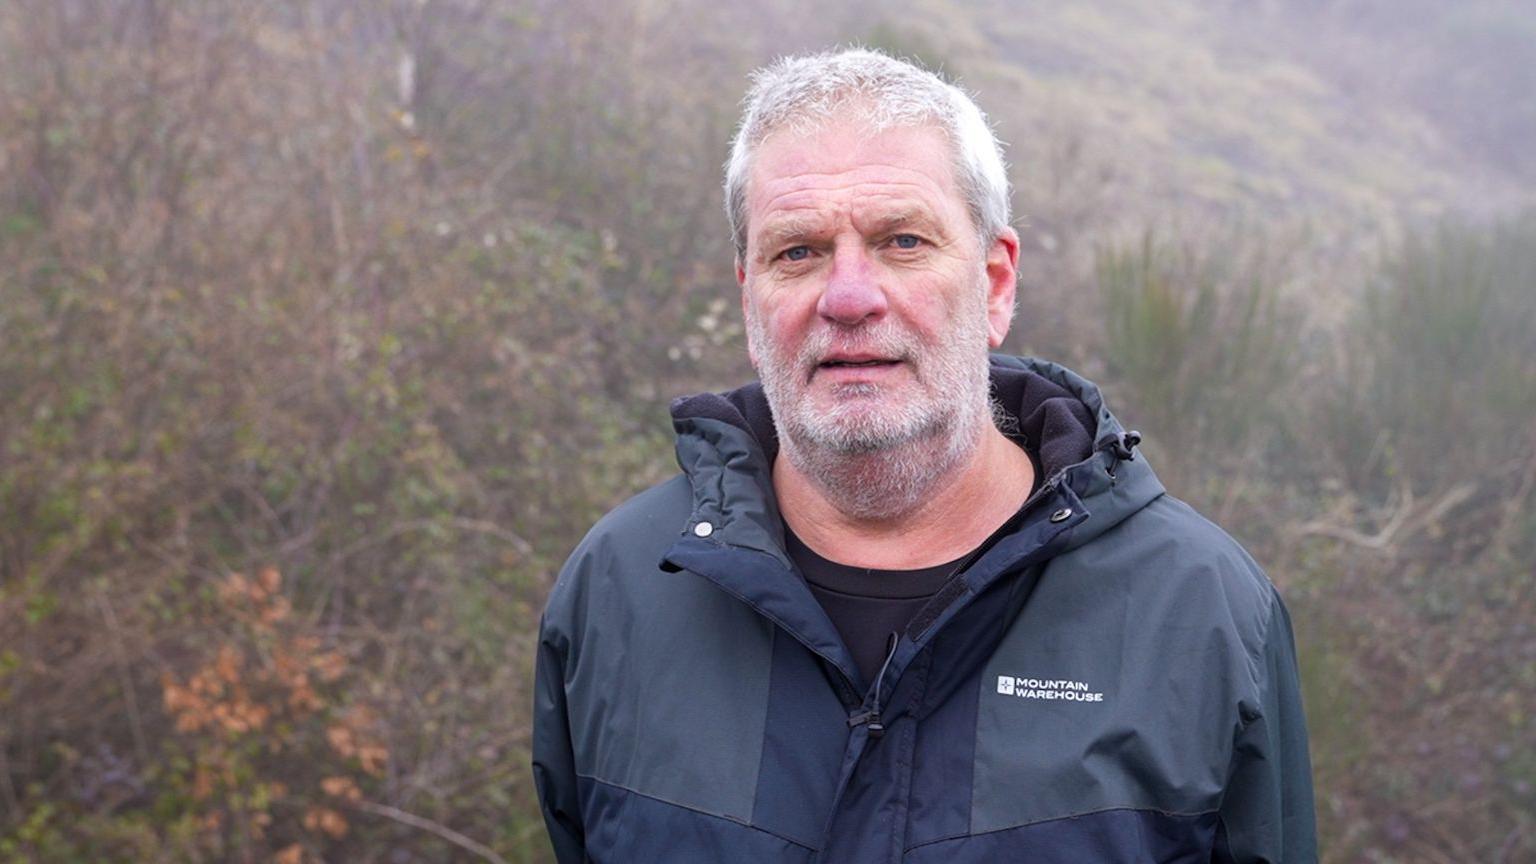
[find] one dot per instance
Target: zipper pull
(872, 716)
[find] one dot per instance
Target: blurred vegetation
(1204, 340)
(326, 329)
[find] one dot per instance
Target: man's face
(870, 303)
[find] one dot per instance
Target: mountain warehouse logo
(1035, 688)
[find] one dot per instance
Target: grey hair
(802, 92)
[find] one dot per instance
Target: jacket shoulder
(1188, 579)
(654, 516)
(1207, 569)
(1209, 551)
(627, 542)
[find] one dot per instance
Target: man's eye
(796, 253)
(906, 241)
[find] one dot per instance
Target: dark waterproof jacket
(1112, 681)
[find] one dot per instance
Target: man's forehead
(849, 141)
(874, 214)
(900, 172)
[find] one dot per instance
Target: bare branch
(428, 825)
(1403, 519)
(130, 697)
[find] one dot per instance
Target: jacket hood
(726, 445)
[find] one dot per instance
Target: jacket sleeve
(554, 762)
(1267, 813)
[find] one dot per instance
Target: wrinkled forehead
(831, 163)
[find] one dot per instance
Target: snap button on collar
(703, 529)
(1061, 515)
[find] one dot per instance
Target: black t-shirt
(867, 605)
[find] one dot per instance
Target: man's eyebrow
(907, 218)
(784, 228)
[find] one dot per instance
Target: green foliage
(1439, 379)
(1205, 348)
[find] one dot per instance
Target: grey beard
(874, 480)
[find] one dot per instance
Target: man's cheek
(756, 338)
(752, 346)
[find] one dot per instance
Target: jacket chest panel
(668, 698)
(1100, 698)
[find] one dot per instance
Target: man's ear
(1002, 271)
(741, 280)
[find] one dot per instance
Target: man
(906, 603)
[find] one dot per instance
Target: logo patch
(1049, 689)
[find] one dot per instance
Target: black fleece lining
(1056, 426)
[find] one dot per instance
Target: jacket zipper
(871, 715)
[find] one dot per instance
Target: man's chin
(838, 396)
(855, 433)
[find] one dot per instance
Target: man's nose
(853, 293)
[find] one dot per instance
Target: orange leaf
(327, 820)
(271, 579)
(202, 784)
(303, 700)
(228, 664)
(329, 666)
(234, 589)
(341, 740)
(373, 756)
(277, 611)
(341, 787)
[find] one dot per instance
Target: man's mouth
(856, 363)
(857, 369)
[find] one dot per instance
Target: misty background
(327, 328)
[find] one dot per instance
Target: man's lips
(834, 363)
(855, 368)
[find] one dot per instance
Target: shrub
(1203, 347)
